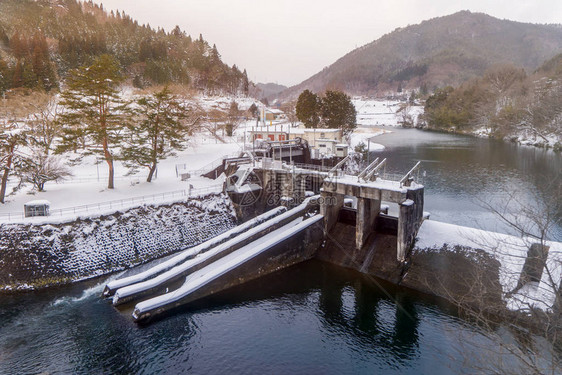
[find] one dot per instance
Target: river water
(313, 318)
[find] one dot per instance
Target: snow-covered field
(373, 113)
(88, 186)
(376, 112)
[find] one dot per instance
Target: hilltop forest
(41, 41)
(505, 102)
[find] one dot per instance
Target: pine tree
(245, 83)
(17, 78)
(11, 138)
(254, 110)
(308, 109)
(29, 78)
(161, 131)
(5, 77)
(233, 118)
(96, 110)
(338, 112)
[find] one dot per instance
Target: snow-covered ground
(376, 112)
(373, 113)
(510, 251)
(365, 135)
(88, 185)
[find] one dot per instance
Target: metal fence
(314, 167)
(102, 206)
(119, 203)
(205, 190)
(182, 167)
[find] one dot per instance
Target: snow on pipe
(112, 286)
(131, 291)
(213, 271)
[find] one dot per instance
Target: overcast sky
(287, 41)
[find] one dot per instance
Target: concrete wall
(367, 212)
(34, 256)
(330, 208)
(409, 221)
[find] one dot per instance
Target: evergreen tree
(5, 77)
(308, 109)
(4, 38)
(84, 31)
(160, 132)
(11, 139)
(233, 118)
(96, 110)
(177, 32)
(245, 83)
(254, 111)
(215, 57)
(29, 78)
(338, 112)
(17, 78)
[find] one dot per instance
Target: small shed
(36, 208)
(341, 150)
(326, 146)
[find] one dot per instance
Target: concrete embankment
(473, 268)
(35, 256)
(288, 245)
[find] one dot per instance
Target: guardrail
(396, 177)
(206, 168)
(205, 190)
(315, 167)
(99, 207)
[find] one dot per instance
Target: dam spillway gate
(288, 212)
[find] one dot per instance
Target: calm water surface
(313, 318)
(461, 173)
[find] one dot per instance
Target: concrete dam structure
(295, 214)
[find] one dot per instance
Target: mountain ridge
(441, 51)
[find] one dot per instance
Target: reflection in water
(397, 333)
(311, 318)
(405, 334)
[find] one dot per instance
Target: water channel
(313, 318)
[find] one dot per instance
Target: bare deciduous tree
(41, 168)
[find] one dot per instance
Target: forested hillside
(439, 52)
(504, 103)
(268, 89)
(40, 41)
